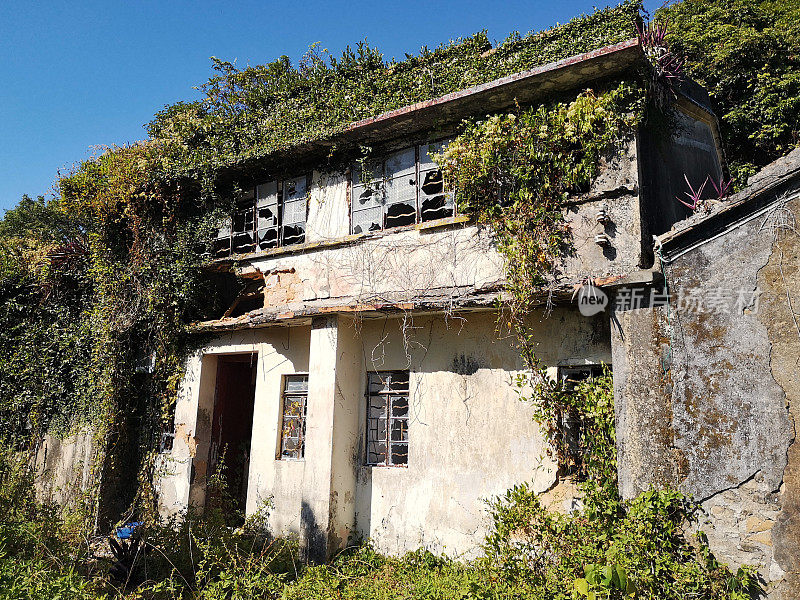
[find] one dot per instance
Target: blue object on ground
(126, 530)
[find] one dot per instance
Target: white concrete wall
(401, 262)
(280, 351)
(470, 436)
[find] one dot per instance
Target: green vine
(514, 172)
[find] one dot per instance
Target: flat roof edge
(521, 76)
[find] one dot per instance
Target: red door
(232, 429)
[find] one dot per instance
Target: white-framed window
(294, 399)
(403, 188)
(269, 215)
(387, 418)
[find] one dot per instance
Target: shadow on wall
(313, 546)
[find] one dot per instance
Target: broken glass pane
(222, 247)
(295, 189)
(399, 406)
(294, 234)
(435, 201)
(401, 202)
(399, 430)
(400, 454)
(243, 242)
(376, 453)
(379, 382)
(367, 220)
(268, 238)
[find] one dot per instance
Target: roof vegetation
(252, 112)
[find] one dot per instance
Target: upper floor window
(403, 189)
(270, 215)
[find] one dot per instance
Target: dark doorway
(231, 431)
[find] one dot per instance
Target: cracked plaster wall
(708, 402)
(448, 256)
(470, 435)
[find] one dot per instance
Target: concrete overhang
(434, 301)
(416, 120)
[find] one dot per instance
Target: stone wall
(707, 389)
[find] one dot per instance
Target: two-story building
(361, 382)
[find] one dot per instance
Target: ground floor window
(293, 426)
(387, 418)
(570, 425)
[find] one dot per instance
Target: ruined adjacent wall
(707, 401)
(64, 468)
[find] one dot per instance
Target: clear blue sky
(82, 74)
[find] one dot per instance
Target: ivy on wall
(250, 113)
(515, 171)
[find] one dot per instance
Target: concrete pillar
(327, 511)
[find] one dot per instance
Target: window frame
(388, 419)
(301, 417)
(383, 179)
(570, 427)
(248, 208)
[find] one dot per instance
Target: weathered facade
(360, 382)
(707, 386)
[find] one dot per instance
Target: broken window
(387, 418)
(270, 215)
(435, 202)
(405, 188)
(293, 425)
(267, 200)
(293, 217)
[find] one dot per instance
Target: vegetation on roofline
(747, 55)
(252, 112)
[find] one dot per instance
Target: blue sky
(76, 75)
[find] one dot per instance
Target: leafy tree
(747, 54)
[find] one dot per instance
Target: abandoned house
(359, 383)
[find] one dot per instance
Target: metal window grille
(293, 424)
(270, 215)
(387, 418)
(405, 188)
